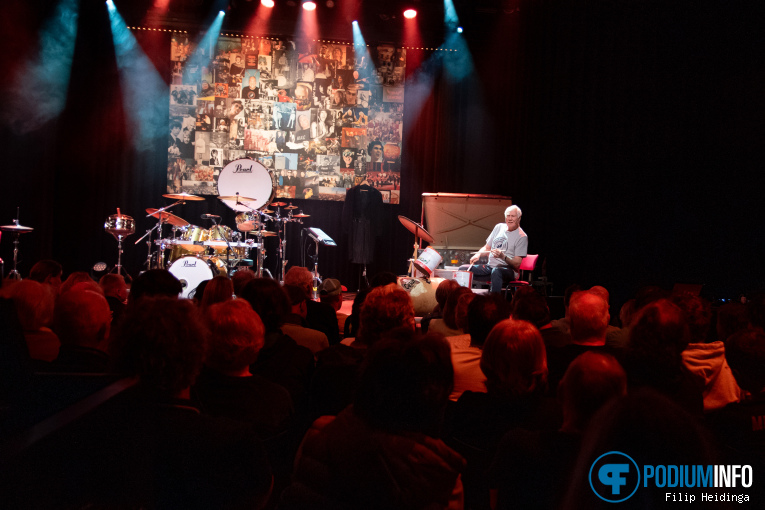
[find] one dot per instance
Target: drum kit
(193, 253)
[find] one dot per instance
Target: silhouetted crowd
(254, 395)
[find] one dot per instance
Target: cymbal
(19, 229)
(167, 217)
(301, 215)
(291, 207)
(267, 211)
(183, 196)
(264, 233)
(416, 229)
(235, 197)
(279, 204)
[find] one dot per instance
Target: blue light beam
(364, 62)
(42, 85)
(144, 93)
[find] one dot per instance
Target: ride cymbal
(183, 196)
(237, 197)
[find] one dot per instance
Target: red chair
(528, 264)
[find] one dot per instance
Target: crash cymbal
(19, 229)
(291, 207)
(267, 211)
(301, 215)
(278, 204)
(416, 229)
(166, 217)
(183, 196)
(239, 197)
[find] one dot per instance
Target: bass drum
(192, 270)
(250, 179)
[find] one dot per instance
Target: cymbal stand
(316, 282)
(15, 275)
(228, 245)
(118, 268)
(148, 263)
(417, 244)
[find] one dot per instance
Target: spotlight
(267, 3)
(330, 4)
(221, 13)
(459, 30)
(410, 13)
(309, 6)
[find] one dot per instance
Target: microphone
(210, 217)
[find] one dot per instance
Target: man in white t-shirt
(506, 247)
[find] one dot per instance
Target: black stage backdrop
(630, 133)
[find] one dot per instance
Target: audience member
(562, 324)
(154, 282)
(116, 293)
(442, 292)
(48, 272)
(532, 468)
(240, 278)
(331, 293)
(218, 290)
(483, 313)
(382, 452)
(529, 305)
(281, 360)
(461, 321)
(34, 307)
(81, 280)
(378, 280)
(731, 318)
(320, 316)
(82, 321)
(293, 322)
(447, 326)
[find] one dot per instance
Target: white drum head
(191, 271)
(250, 179)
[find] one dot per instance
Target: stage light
(221, 13)
(330, 4)
(459, 30)
(410, 13)
(309, 6)
(267, 3)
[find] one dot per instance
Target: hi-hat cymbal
(19, 229)
(291, 207)
(279, 204)
(237, 197)
(183, 196)
(301, 215)
(416, 229)
(166, 217)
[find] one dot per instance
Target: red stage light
(267, 3)
(309, 6)
(410, 13)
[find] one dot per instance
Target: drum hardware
(17, 230)
(219, 230)
(420, 234)
(120, 226)
(164, 217)
(319, 237)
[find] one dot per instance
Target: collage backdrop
(318, 118)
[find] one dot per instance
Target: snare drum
(250, 179)
(428, 261)
(119, 225)
(192, 270)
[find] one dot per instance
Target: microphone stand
(228, 245)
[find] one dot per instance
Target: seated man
(506, 246)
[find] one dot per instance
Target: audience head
(602, 292)
(163, 342)
(382, 279)
(568, 293)
(756, 307)
(658, 336)
(514, 360)
(731, 318)
(241, 278)
(442, 293)
(297, 299)
(647, 295)
(236, 336)
(331, 292)
(33, 302)
(698, 312)
(745, 352)
(82, 317)
(48, 272)
(77, 279)
(198, 293)
(385, 308)
(299, 277)
(590, 381)
(154, 282)
(114, 286)
(450, 312)
(461, 312)
(485, 312)
(405, 383)
(627, 313)
(530, 306)
(269, 301)
(588, 314)
(218, 290)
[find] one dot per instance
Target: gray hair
(513, 208)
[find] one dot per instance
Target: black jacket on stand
(362, 221)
